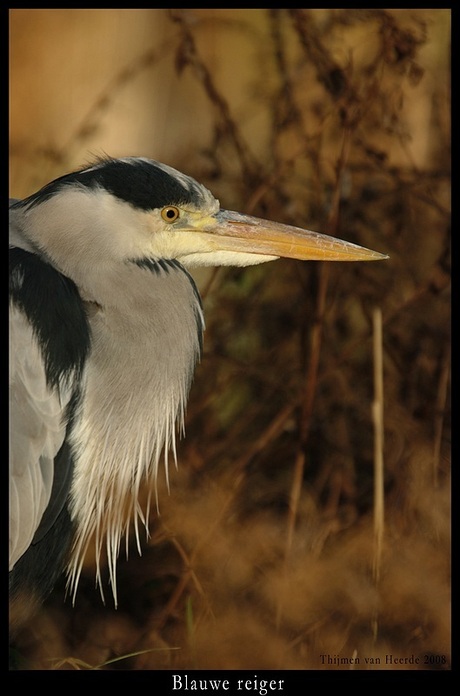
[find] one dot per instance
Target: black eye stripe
(145, 184)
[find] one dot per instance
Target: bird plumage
(106, 329)
(79, 348)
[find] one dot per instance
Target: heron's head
(135, 208)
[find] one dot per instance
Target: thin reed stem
(377, 414)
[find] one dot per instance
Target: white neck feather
(135, 384)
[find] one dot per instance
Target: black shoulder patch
(52, 304)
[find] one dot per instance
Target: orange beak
(244, 233)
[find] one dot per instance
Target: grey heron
(106, 326)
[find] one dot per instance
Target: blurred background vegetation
(271, 549)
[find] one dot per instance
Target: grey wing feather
(37, 431)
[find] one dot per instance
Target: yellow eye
(170, 213)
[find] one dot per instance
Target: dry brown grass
(266, 552)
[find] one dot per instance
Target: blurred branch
(188, 55)
(441, 402)
(329, 73)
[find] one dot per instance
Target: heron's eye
(170, 213)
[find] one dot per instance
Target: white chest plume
(127, 418)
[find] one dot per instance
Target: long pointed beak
(244, 233)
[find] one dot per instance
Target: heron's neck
(136, 383)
